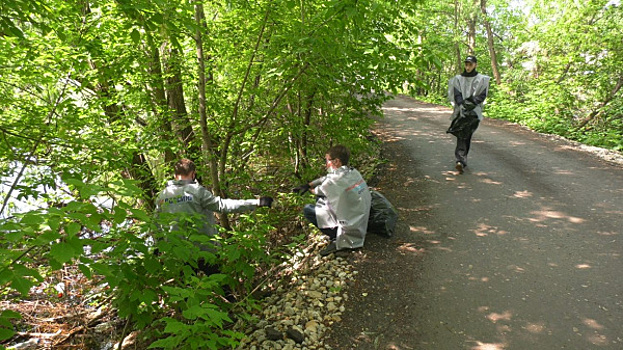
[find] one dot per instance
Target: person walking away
(342, 204)
(467, 92)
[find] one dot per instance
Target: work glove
(301, 189)
(266, 202)
(469, 105)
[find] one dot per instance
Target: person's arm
(226, 205)
(458, 97)
(317, 182)
(480, 98)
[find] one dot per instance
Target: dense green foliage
(560, 62)
(98, 98)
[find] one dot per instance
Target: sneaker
(331, 248)
(459, 167)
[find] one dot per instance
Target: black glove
(301, 189)
(469, 105)
(266, 202)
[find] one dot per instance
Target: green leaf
(62, 252)
(54, 222)
(11, 314)
(173, 326)
(73, 228)
(6, 333)
(140, 214)
(148, 296)
(136, 36)
(120, 215)
(14, 236)
(152, 265)
(21, 284)
(85, 270)
(32, 218)
(47, 237)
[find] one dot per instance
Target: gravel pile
(304, 306)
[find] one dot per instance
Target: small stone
(295, 335)
(273, 334)
(311, 326)
(331, 306)
(314, 294)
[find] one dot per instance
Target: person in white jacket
(467, 92)
(343, 202)
(184, 197)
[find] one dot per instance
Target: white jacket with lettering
(190, 198)
(346, 205)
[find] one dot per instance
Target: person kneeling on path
(185, 197)
(342, 204)
(466, 92)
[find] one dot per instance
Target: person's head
(337, 156)
(185, 169)
(471, 62)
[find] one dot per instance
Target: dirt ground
(522, 251)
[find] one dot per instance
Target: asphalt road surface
(522, 251)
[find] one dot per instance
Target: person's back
(351, 206)
(185, 197)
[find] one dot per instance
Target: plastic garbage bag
(383, 215)
(464, 125)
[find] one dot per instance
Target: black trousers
(462, 148)
(309, 211)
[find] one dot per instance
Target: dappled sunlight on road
(421, 229)
(589, 322)
(490, 181)
(546, 214)
(535, 328)
(489, 346)
(410, 248)
(504, 316)
(484, 230)
(522, 194)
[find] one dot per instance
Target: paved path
(522, 251)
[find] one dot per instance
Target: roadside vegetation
(555, 66)
(99, 98)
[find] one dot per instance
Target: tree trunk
(471, 30)
(494, 61)
(457, 44)
(177, 106)
(139, 168)
(154, 67)
(209, 152)
(608, 99)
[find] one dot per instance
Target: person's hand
(266, 202)
(301, 189)
(469, 105)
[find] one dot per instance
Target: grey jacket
(190, 198)
(461, 88)
(346, 205)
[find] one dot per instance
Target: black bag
(464, 125)
(383, 215)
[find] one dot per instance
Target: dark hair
(340, 152)
(184, 167)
